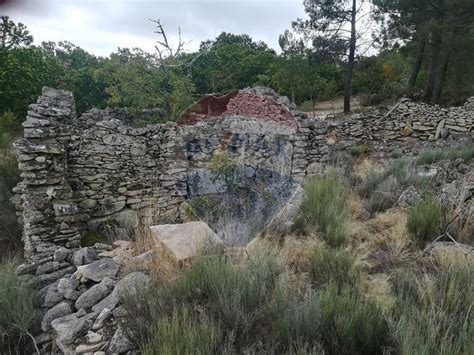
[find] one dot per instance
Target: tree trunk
(420, 51)
(350, 64)
(442, 76)
(433, 67)
(444, 69)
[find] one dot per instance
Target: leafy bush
(334, 266)
(325, 207)
(18, 312)
(431, 156)
(423, 221)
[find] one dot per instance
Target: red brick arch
(238, 103)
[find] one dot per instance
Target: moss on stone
(92, 237)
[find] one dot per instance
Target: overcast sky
(100, 26)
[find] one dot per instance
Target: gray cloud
(100, 26)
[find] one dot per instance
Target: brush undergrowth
(436, 319)
(19, 313)
(250, 308)
(325, 207)
(431, 156)
(423, 221)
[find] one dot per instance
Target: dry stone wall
(89, 172)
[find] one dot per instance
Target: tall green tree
(13, 35)
(231, 62)
(333, 26)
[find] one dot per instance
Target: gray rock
(95, 294)
(131, 283)
(89, 348)
(60, 310)
(67, 283)
(61, 254)
(73, 326)
(47, 268)
(109, 302)
(53, 296)
(120, 342)
(97, 271)
(101, 318)
(128, 284)
(93, 337)
(84, 256)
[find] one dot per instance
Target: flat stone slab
(183, 241)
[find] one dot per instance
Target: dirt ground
(333, 107)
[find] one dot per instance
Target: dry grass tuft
(363, 167)
(382, 242)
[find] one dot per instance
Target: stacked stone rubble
(48, 215)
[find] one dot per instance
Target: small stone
(93, 337)
(61, 254)
(84, 256)
(101, 319)
(47, 268)
(93, 295)
(60, 310)
(90, 348)
(97, 271)
(120, 342)
(71, 327)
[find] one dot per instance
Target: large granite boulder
(184, 241)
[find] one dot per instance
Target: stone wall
(85, 173)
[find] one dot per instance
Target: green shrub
(10, 230)
(431, 156)
(359, 150)
(384, 196)
(18, 312)
(441, 322)
(325, 207)
(404, 170)
(350, 324)
(405, 285)
(334, 266)
(181, 334)
(237, 297)
(300, 324)
(374, 179)
(423, 221)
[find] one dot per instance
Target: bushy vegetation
(424, 221)
(430, 156)
(249, 307)
(333, 266)
(19, 313)
(10, 230)
(437, 320)
(325, 207)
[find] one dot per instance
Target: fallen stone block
(184, 241)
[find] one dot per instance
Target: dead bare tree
(163, 47)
